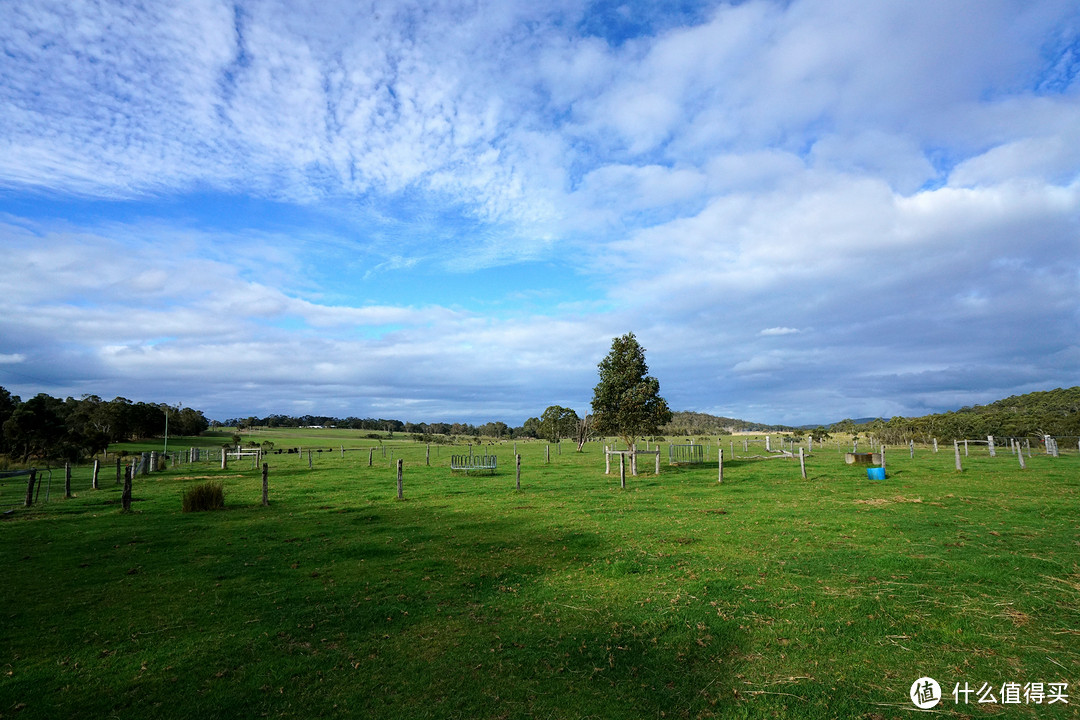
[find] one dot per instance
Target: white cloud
(899, 176)
(1053, 159)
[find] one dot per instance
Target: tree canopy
(626, 402)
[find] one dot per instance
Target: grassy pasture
(767, 596)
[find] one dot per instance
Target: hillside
(1051, 412)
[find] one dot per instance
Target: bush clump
(209, 495)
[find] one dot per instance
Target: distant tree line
(46, 428)
(489, 429)
(554, 424)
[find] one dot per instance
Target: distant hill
(695, 423)
(856, 421)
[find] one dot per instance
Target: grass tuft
(209, 495)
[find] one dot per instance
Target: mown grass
(767, 596)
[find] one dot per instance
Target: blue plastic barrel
(875, 473)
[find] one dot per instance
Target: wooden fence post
(224, 459)
(802, 462)
(309, 459)
(882, 457)
(935, 445)
(266, 484)
(911, 449)
(153, 461)
(517, 460)
(965, 448)
(400, 480)
(657, 471)
(547, 454)
(990, 442)
(622, 471)
(370, 456)
(720, 466)
(607, 461)
(94, 477)
(30, 488)
(125, 496)
(1020, 456)
(956, 450)
(67, 480)
(427, 456)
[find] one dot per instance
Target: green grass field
(767, 596)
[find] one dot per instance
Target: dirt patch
(878, 502)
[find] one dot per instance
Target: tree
(8, 404)
(626, 402)
(583, 430)
(558, 422)
(37, 429)
(531, 428)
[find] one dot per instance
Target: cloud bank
(805, 210)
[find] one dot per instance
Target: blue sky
(806, 210)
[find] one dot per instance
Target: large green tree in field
(626, 402)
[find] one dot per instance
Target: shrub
(209, 495)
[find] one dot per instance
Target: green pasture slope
(767, 596)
